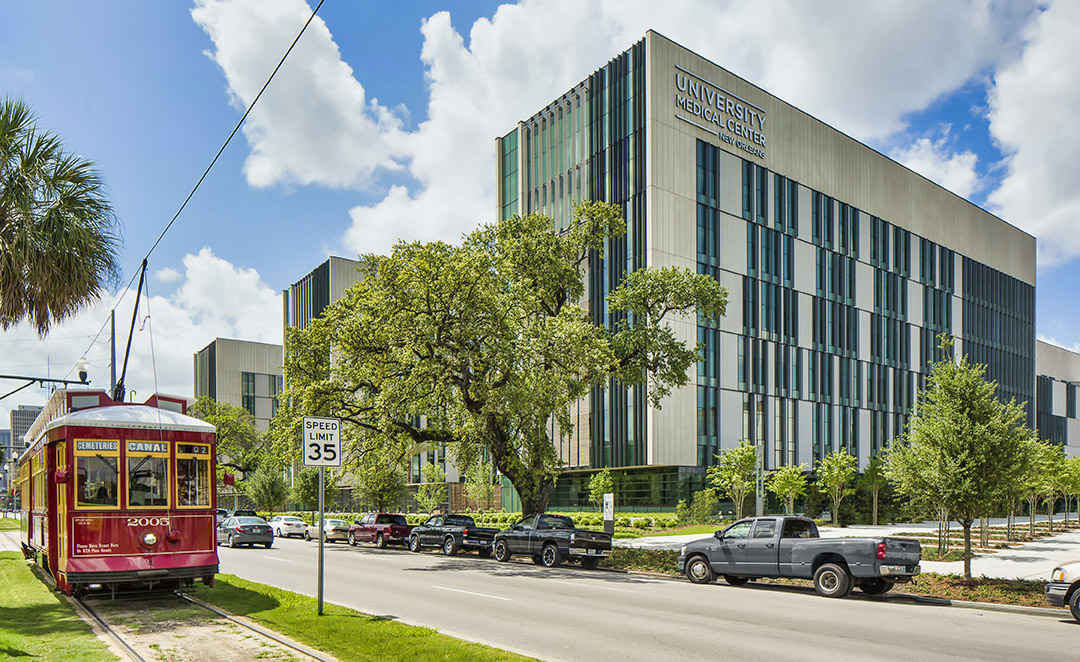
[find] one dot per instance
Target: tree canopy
(834, 472)
(239, 444)
(59, 238)
(787, 483)
(484, 346)
(267, 489)
(963, 447)
(305, 489)
(600, 483)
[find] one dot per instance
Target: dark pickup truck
(452, 533)
(779, 546)
(381, 529)
(551, 539)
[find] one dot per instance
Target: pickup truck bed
(779, 546)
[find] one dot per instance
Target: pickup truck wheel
(590, 562)
(875, 586)
(414, 543)
(449, 546)
(832, 581)
(1074, 604)
(380, 541)
(484, 552)
(698, 571)
(352, 539)
(551, 557)
(735, 580)
(502, 551)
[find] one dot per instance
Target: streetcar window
(193, 481)
(148, 483)
(97, 482)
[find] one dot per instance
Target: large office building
(241, 373)
(841, 266)
(1056, 385)
(19, 421)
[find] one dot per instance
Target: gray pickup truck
(784, 546)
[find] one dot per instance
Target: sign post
(759, 482)
(322, 448)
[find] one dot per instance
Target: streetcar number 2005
(148, 521)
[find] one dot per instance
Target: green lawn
(8, 524)
(344, 633)
(35, 622)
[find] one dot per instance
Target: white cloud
(313, 125)
(934, 159)
(1032, 117)
(1075, 347)
(860, 67)
(167, 275)
(215, 299)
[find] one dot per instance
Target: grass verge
(36, 623)
(8, 524)
(930, 584)
(341, 632)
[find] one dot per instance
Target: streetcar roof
(137, 417)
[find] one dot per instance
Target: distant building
(241, 373)
(5, 454)
(308, 297)
(1056, 382)
(20, 420)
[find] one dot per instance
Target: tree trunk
(1031, 515)
(967, 548)
(836, 510)
(983, 523)
(1050, 513)
(789, 505)
(875, 504)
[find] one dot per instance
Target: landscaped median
(1023, 592)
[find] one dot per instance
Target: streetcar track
(111, 633)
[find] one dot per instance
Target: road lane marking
(482, 595)
(274, 558)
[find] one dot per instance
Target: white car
(287, 526)
(333, 529)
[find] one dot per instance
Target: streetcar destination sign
(322, 442)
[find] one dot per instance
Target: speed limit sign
(322, 442)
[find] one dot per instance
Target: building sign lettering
(738, 122)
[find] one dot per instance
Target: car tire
(1074, 604)
(232, 542)
(414, 543)
(484, 552)
(450, 546)
(736, 580)
(875, 586)
(502, 551)
(380, 541)
(550, 556)
(590, 562)
(698, 571)
(352, 540)
(268, 545)
(832, 581)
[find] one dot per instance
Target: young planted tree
(480, 484)
(1072, 485)
(432, 492)
(381, 483)
(600, 484)
(787, 483)
(834, 472)
(487, 344)
(874, 478)
(1036, 477)
(1054, 481)
(736, 474)
(963, 444)
(267, 489)
(59, 238)
(305, 490)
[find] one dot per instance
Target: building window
(247, 391)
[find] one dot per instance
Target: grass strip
(344, 633)
(37, 623)
(8, 524)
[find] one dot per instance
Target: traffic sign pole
(322, 448)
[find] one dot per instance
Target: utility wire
(209, 167)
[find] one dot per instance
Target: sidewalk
(1033, 560)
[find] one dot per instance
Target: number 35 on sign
(322, 442)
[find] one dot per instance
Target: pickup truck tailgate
(901, 551)
(590, 540)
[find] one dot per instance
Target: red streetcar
(117, 495)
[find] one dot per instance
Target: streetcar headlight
(149, 539)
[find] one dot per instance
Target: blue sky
(382, 123)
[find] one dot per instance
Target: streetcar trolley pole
(322, 448)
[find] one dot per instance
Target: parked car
(333, 529)
(551, 539)
(381, 529)
(250, 531)
(786, 546)
(243, 512)
(221, 515)
(287, 526)
(452, 533)
(1064, 587)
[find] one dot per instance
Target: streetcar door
(61, 510)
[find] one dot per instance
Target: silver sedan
(333, 529)
(250, 531)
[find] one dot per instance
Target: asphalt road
(574, 614)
